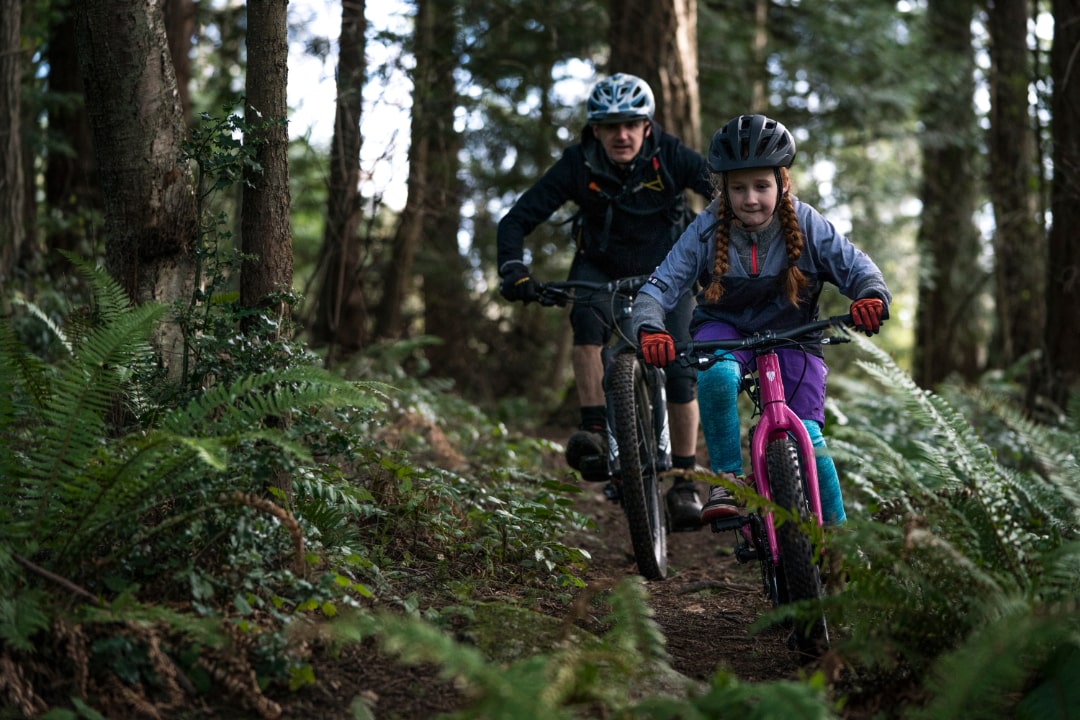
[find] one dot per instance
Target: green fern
(988, 676)
(76, 483)
(961, 567)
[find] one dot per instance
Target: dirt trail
(705, 606)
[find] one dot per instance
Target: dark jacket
(627, 220)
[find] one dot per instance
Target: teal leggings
(718, 393)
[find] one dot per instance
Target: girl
(762, 258)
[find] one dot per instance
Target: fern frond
(635, 631)
(253, 399)
(963, 470)
(987, 675)
(110, 300)
(45, 320)
(73, 417)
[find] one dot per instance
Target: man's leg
(684, 420)
(588, 375)
(683, 501)
(587, 449)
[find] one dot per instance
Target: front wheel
(635, 435)
(798, 573)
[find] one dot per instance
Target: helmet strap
(780, 190)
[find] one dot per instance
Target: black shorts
(590, 318)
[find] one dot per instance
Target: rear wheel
(798, 573)
(635, 435)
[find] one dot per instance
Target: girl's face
(753, 194)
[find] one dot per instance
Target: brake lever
(553, 297)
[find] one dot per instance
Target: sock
(593, 417)
(832, 501)
(683, 462)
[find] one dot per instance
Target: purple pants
(803, 373)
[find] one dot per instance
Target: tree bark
(1063, 279)
(665, 57)
(447, 306)
(266, 233)
(341, 314)
(1019, 241)
(138, 128)
(180, 29)
(12, 186)
(389, 317)
(265, 227)
(948, 339)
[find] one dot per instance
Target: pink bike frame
(777, 421)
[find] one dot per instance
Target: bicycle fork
(778, 421)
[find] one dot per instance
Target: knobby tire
(635, 434)
(798, 572)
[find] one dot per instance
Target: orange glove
(867, 314)
(658, 348)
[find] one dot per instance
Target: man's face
(622, 141)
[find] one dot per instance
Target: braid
(793, 281)
(720, 262)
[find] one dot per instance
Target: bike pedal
(594, 468)
(728, 523)
(612, 493)
(744, 553)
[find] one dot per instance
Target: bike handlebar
(559, 292)
(701, 353)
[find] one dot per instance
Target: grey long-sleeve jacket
(753, 299)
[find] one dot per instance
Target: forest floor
(705, 608)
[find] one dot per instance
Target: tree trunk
(1019, 241)
(447, 306)
(389, 317)
(72, 193)
(759, 96)
(264, 217)
(12, 186)
(947, 336)
(138, 127)
(665, 57)
(179, 29)
(341, 315)
(1063, 279)
(265, 228)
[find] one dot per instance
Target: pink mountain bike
(780, 534)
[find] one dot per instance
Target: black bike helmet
(751, 141)
(620, 98)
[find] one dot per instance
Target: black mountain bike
(639, 444)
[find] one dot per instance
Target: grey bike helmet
(620, 98)
(751, 141)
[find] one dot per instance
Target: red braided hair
(792, 280)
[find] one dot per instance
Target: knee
(813, 428)
(720, 382)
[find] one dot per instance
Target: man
(627, 178)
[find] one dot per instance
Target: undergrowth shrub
(963, 569)
(133, 491)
